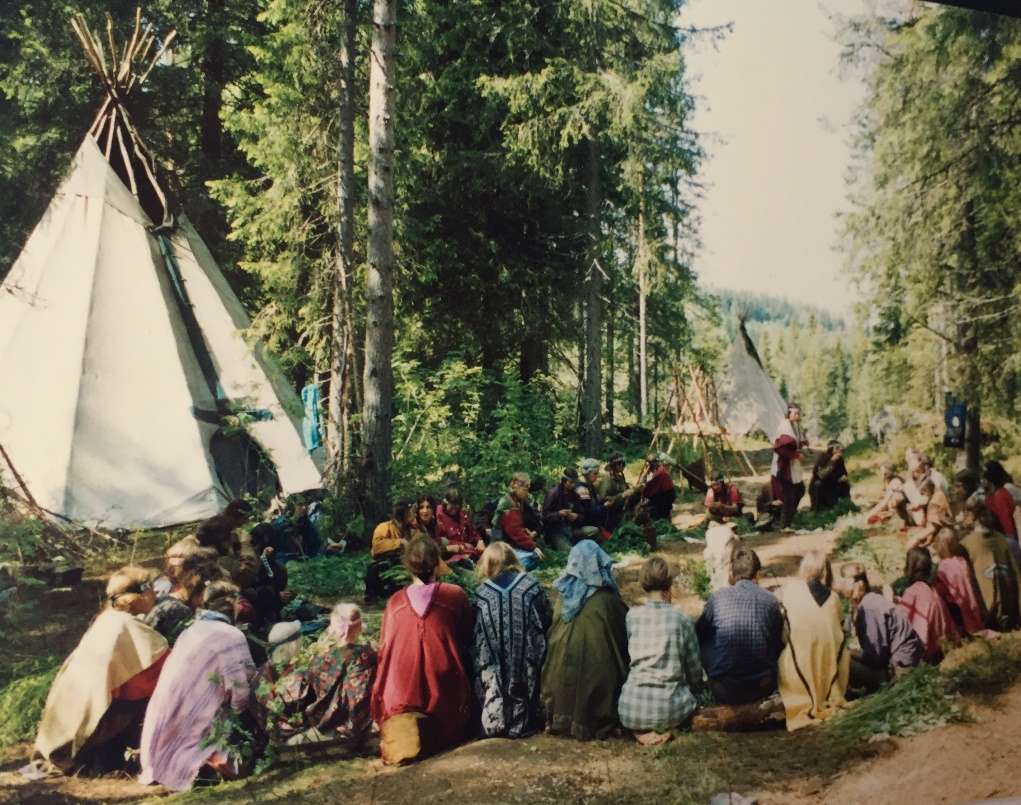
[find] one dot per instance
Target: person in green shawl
(587, 661)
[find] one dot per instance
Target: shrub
(22, 700)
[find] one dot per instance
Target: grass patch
(328, 577)
(22, 700)
(984, 668)
(810, 520)
(848, 539)
(694, 575)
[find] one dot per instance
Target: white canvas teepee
(749, 400)
(105, 408)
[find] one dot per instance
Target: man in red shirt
(723, 500)
(658, 491)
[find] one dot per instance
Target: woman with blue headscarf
(587, 661)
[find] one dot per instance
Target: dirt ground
(772, 765)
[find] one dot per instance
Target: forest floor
(770, 765)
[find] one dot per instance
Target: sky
(771, 98)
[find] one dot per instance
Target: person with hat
(590, 504)
(613, 490)
(723, 500)
(785, 472)
(658, 492)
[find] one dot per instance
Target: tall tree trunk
(643, 340)
(611, 368)
(341, 367)
(591, 411)
(377, 434)
(213, 79)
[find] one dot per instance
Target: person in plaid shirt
(741, 632)
(666, 671)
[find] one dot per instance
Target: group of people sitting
(586, 504)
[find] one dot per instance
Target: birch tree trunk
(377, 433)
(342, 365)
(591, 407)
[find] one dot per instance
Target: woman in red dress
(458, 540)
(422, 697)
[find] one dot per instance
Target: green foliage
(848, 539)
(694, 576)
(22, 700)
(328, 577)
(19, 537)
(628, 538)
(920, 701)
(985, 667)
(811, 520)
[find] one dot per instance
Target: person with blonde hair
(666, 670)
(512, 615)
(94, 709)
(993, 566)
(323, 693)
(421, 698)
(815, 664)
(210, 669)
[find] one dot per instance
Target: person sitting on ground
(268, 591)
(993, 567)
(815, 664)
(587, 661)
(769, 506)
(209, 670)
(937, 515)
(95, 706)
(388, 542)
(323, 693)
(922, 471)
(425, 515)
(590, 504)
(956, 584)
(893, 500)
(512, 615)
(720, 543)
(888, 643)
(613, 490)
(723, 500)
(455, 533)
(967, 487)
(509, 522)
(829, 483)
(658, 492)
(666, 671)
(926, 611)
(561, 512)
(997, 468)
(174, 612)
(1001, 503)
(741, 635)
(421, 698)
(220, 532)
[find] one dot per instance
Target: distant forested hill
(757, 307)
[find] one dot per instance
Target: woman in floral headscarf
(587, 661)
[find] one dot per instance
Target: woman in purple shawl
(209, 669)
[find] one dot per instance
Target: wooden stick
(150, 166)
(129, 50)
(17, 477)
(113, 47)
(96, 126)
(158, 56)
(127, 164)
(112, 123)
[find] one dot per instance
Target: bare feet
(652, 738)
